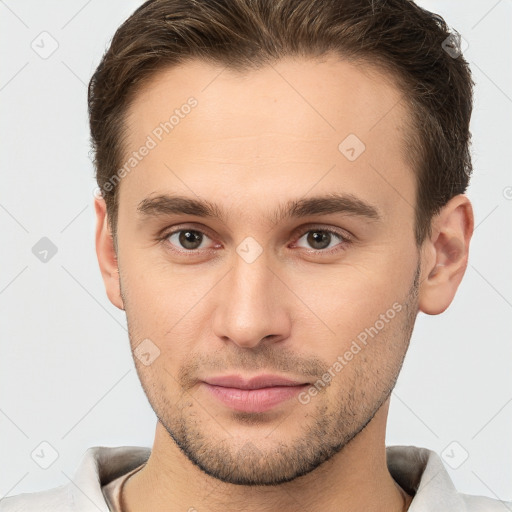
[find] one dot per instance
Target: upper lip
(258, 382)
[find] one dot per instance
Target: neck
(357, 478)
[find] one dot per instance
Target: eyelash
(345, 240)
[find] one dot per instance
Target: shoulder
(421, 472)
(53, 500)
(99, 466)
(484, 504)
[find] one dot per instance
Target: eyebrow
(347, 204)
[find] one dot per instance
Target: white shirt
(99, 476)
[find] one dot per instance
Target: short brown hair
(397, 36)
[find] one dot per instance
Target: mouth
(257, 382)
(255, 395)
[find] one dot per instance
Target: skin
(256, 140)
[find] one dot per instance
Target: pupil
(189, 238)
(314, 239)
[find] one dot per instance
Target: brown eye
(323, 240)
(189, 239)
(319, 239)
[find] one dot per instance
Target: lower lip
(254, 400)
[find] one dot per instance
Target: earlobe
(106, 254)
(445, 256)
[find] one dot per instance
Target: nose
(251, 304)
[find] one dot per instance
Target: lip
(254, 400)
(257, 382)
(258, 394)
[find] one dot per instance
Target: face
(277, 279)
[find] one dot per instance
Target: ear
(106, 254)
(445, 255)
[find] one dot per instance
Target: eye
(320, 239)
(191, 241)
(186, 240)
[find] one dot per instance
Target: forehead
(290, 126)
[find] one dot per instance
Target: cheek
(168, 309)
(367, 361)
(348, 298)
(358, 315)
(161, 292)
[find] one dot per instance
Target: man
(282, 191)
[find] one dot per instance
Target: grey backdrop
(67, 377)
